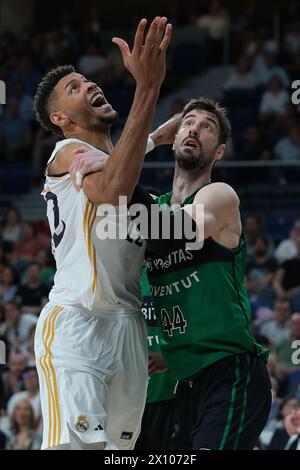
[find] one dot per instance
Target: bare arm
(221, 210)
(147, 63)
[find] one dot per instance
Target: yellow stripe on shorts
(54, 416)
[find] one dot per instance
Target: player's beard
(189, 161)
(108, 120)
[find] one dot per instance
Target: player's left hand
(86, 162)
(156, 363)
(166, 133)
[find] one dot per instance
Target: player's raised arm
(147, 63)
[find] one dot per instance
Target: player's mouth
(191, 143)
(98, 101)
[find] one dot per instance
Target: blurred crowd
(265, 127)
(264, 53)
(26, 275)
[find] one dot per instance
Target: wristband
(150, 145)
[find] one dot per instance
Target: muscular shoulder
(64, 158)
(220, 193)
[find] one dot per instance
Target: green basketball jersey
(202, 304)
(161, 385)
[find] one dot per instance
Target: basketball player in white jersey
(90, 341)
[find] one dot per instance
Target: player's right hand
(86, 162)
(147, 60)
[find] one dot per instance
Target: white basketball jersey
(94, 274)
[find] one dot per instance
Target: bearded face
(197, 142)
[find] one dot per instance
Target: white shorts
(93, 376)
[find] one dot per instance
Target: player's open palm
(147, 60)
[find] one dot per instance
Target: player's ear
(221, 151)
(59, 119)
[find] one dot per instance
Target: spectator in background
(15, 133)
(93, 22)
(287, 277)
(47, 272)
(253, 146)
(287, 249)
(292, 40)
(27, 347)
(2, 440)
(8, 285)
(216, 22)
(16, 327)
(278, 329)
(267, 68)
(292, 426)
(274, 100)
(23, 435)
(13, 379)
(24, 101)
(26, 74)
(260, 273)
(288, 148)
(31, 393)
(92, 62)
(11, 231)
(253, 229)
(272, 423)
(284, 350)
(280, 437)
(241, 77)
(26, 248)
(32, 294)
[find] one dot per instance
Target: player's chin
(107, 113)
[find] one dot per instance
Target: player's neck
(187, 182)
(99, 140)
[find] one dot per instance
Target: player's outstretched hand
(166, 133)
(147, 60)
(86, 162)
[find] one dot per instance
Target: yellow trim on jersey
(54, 416)
(89, 218)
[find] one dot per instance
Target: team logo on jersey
(82, 424)
(127, 436)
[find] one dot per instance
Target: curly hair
(45, 94)
(215, 108)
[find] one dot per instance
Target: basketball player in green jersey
(224, 395)
(158, 419)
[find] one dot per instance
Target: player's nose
(90, 86)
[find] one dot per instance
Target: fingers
(167, 38)
(80, 150)
(160, 31)
(150, 38)
(124, 48)
(139, 35)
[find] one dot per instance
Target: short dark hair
(44, 94)
(215, 108)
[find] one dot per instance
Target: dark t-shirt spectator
(256, 269)
(292, 273)
(32, 296)
(2, 441)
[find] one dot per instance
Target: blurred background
(246, 55)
